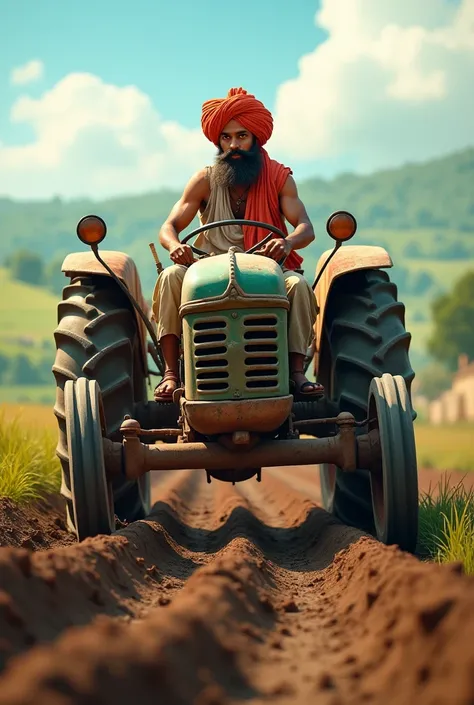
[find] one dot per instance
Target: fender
(349, 258)
(125, 268)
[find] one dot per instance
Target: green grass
(446, 525)
(445, 447)
(29, 468)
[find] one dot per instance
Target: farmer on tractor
(243, 183)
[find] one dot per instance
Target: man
(243, 183)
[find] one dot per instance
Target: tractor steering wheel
(222, 223)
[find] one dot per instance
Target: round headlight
(341, 226)
(91, 230)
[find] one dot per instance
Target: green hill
(422, 213)
(27, 313)
(433, 200)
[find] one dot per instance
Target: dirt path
(246, 594)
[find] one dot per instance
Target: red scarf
(263, 204)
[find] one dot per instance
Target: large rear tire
(364, 337)
(97, 338)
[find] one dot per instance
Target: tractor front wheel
(92, 496)
(394, 482)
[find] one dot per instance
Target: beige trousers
(301, 319)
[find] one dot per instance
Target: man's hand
(181, 254)
(277, 248)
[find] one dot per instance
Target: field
(445, 448)
(27, 314)
(24, 394)
(28, 435)
(245, 594)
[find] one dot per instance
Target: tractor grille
(236, 354)
(210, 349)
(261, 351)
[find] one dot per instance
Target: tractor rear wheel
(364, 337)
(97, 338)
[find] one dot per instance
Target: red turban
(263, 199)
(241, 106)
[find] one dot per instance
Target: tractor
(233, 413)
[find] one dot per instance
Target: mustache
(227, 156)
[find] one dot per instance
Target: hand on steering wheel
(181, 254)
(268, 241)
(276, 248)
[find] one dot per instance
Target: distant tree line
(453, 323)
(21, 370)
(30, 268)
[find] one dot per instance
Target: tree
(421, 282)
(53, 276)
(3, 365)
(433, 380)
(26, 267)
(453, 319)
(21, 371)
(412, 250)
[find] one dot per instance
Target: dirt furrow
(230, 595)
(44, 593)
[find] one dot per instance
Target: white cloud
(96, 139)
(29, 72)
(391, 83)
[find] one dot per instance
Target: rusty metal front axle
(134, 458)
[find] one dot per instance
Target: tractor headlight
(91, 230)
(341, 226)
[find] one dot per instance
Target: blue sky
(179, 52)
(363, 85)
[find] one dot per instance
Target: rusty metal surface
(140, 458)
(213, 456)
(369, 451)
(258, 415)
(350, 258)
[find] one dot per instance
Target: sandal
(169, 376)
(298, 390)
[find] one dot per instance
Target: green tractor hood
(233, 280)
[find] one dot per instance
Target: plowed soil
(245, 594)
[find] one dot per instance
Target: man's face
(239, 160)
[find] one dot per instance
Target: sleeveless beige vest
(218, 240)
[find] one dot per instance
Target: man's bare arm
(196, 191)
(295, 213)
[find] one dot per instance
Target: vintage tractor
(234, 413)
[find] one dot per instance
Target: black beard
(238, 172)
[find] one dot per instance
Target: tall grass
(29, 468)
(446, 525)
